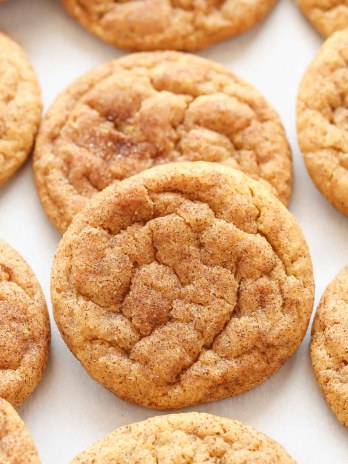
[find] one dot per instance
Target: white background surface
(69, 411)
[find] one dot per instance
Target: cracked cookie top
(329, 347)
(183, 439)
(16, 445)
(326, 16)
(148, 109)
(322, 120)
(20, 107)
(24, 328)
(167, 24)
(184, 284)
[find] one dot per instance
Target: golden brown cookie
(182, 438)
(167, 24)
(148, 109)
(329, 347)
(16, 444)
(24, 328)
(20, 107)
(322, 120)
(184, 284)
(326, 16)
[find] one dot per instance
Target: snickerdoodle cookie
(186, 283)
(20, 107)
(24, 328)
(322, 120)
(326, 16)
(329, 348)
(167, 24)
(183, 438)
(148, 109)
(16, 445)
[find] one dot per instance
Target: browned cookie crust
(167, 24)
(20, 107)
(148, 109)
(24, 328)
(329, 348)
(187, 283)
(16, 445)
(183, 438)
(322, 120)
(326, 16)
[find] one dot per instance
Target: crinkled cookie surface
(149, 109)
(327, 16)
(186, 438)
(20, 107)
(329, 347)
(16, 445)
(167, 24)
(24, 328)
(322, 120)
(184, 284)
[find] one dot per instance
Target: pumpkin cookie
(16, 445)
(329, 347)
(322, 120)
(327, 17)
(167, 24)
(148, 109)
(184, 284)
(24, 328)
(20, 107)
(181, 438)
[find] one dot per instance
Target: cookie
(326, 17)
(148, 109)
(24, 328)
(329, 347)
(20, 107)
(322, 120)
(16, 445)
(181, 438)
(184, 284)
(166, 24)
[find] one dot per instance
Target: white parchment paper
(69, 411)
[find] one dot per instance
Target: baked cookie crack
(149, 109)
(199, 276)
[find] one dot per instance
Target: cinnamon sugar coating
(187, 283)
